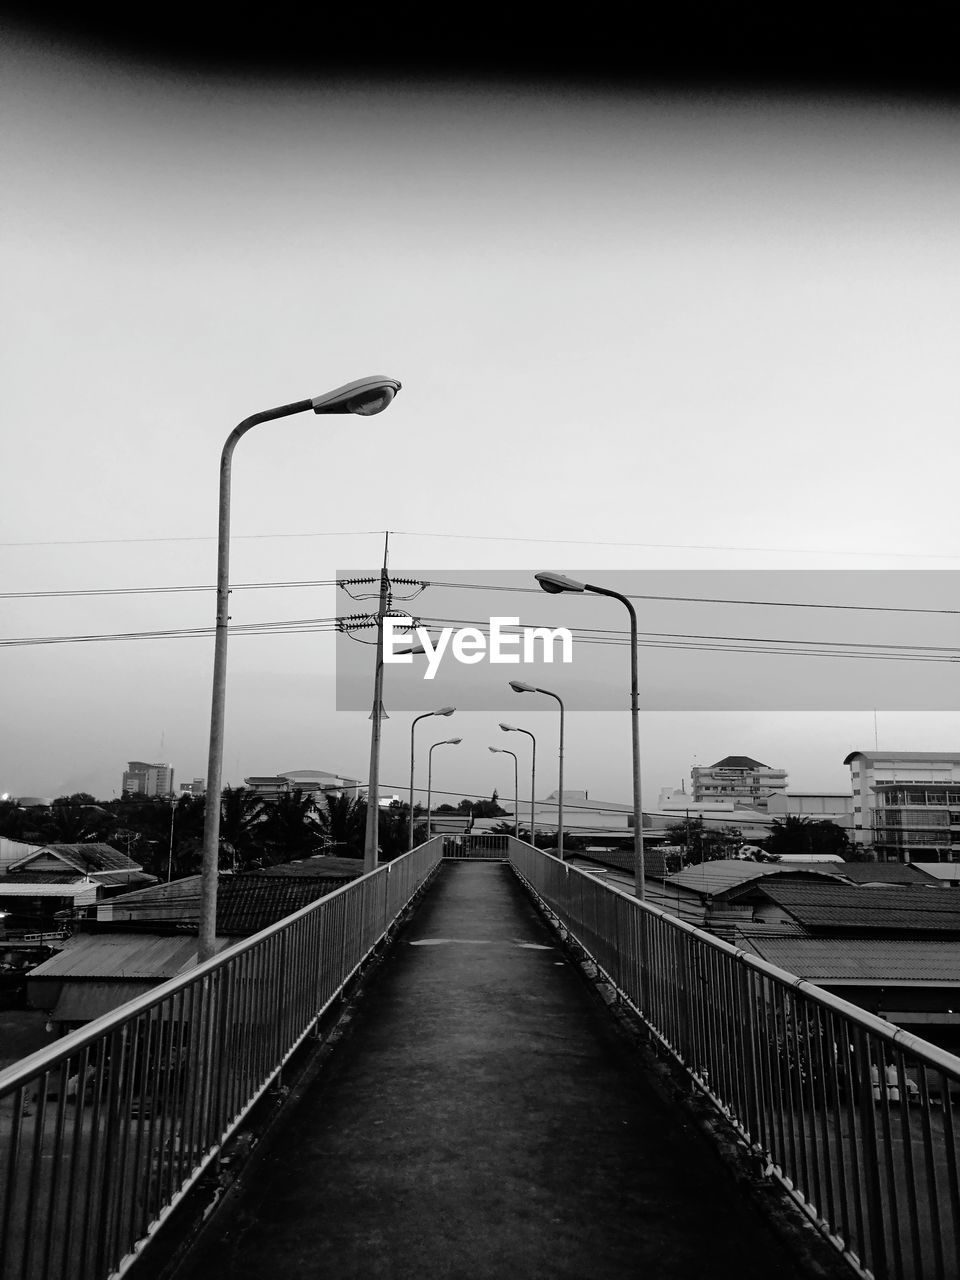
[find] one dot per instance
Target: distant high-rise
(143, 779)
(746, 782)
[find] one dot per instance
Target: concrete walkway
(485, 1121)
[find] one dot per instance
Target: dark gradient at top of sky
(840, 46)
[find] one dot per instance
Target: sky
(636, 328)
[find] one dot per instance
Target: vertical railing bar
(913, 1207)
(93, 1150)
(56, 1177)
(953, 1175)
(893, 1216)
(933, 1187)
(35, 1171)
(841, 1212)
(146, 1078)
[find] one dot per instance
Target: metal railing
(487, 848)
(104, 1132)
(857, 1119)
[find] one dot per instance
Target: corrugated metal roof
(110, 878)
(171, 891)
(731, 873)
(898, 909)
(853, 960)
(85, 857)
(80, 890)
(124, 955)
(84, 1001)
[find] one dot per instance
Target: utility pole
(372, 838)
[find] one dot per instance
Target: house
(893, 949)
(51, 881)
(142, 938)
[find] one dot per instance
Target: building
(143, 938)
(815, 806)
(144, 779)
(747, 782)
(47, 884)
(198, 787)
(315, 783)
(906, 804)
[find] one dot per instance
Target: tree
(241, 813)
(703, 843)
(819, 838)
(343, 823)
(290, 828)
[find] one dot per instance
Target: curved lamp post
(365, 397)
(444, 711)
(557, 584)
(447, 742)
(516, 789)
(512, 728)
(519, 687)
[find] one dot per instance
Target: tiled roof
(859, 960)
(739, 762)
(883, 873)
(321, 865)
(858, 908)
(248, 903)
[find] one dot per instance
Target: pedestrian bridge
(483, 1113)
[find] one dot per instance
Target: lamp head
(557, 583)
(454, 742)
(509, 728)
(365, 397)
(494, 748)
(519, 687)
(444, 711)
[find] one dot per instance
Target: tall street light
(365, 397)
(557, 584)
(516, 789)
(519, 687)
(512, 728)
(447, 742)
(444, 711)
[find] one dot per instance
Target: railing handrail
(24, 1070)
(941, 1058)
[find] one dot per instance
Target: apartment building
(748, 783)
(141, 778)
(906, 804)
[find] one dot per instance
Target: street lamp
(365, 397)
(519, 687)
(516, 789)
(512, 728)
(447, 742)
(444, 711)
(557, 584)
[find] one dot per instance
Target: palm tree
(343, 823)
(241, 813)
(290, 828)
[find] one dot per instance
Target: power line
(313, 583)
(503, 538)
